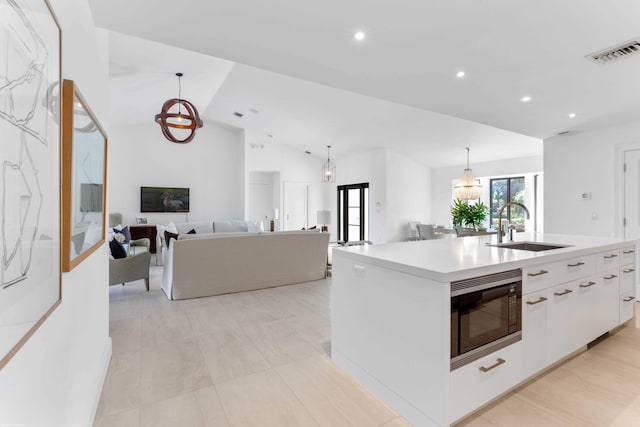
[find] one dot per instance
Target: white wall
(408, 195)
(580, 163)
(56, 378)
(442, 179)
(263, 154)
(211, 166)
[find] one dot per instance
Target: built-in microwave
(486, 315)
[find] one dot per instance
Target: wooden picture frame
(84, 178)
(30, 70)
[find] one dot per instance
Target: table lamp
(324, 218)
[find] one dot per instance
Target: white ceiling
(409, 59)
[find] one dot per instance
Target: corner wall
(56, 377)
(581, 163)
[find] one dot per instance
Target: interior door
(260, 201)
(296, 206)
(632, 199)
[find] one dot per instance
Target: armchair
(131, 268)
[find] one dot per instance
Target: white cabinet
(608, 309)
(534, 334)
(627, 280)
(480, 381)
(561, 309)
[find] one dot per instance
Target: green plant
(468, 215)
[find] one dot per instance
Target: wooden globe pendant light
(183, 119)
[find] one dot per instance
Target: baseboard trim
(99, 384)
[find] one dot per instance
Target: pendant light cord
(467, 157)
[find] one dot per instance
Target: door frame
(619, 184)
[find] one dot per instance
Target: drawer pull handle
(627, 299)
(540, 273)
(610, 256)
(566, 291)
(586, 285)
(499, 361)
(577, 264)
(629, 270)
(538, 301)
(628, 252)
(613, 276)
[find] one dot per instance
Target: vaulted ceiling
(310, 84)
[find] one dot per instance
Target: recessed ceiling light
(526, 98)
(460, 74)
(572, 115)
(359, 36)
(237, 114)
(254, 111)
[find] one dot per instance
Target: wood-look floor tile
(230, 354)
(516, 410)
(331, 396)
(182, 410)
(262, 399)
(129, 418)
(172, 369)
(121, 390)
(479, 421)
(397, 422)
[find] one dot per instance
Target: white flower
(119, 237)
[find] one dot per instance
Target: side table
(142, 231)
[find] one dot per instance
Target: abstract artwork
(84, 157)
(30, 176)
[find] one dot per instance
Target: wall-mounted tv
(90, 197)
(164, 199)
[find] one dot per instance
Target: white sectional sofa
(208, 264)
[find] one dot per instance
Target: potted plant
(467, 215)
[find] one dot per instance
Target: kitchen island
(391, 315)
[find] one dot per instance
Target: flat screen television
(164, 199)
(90, 197)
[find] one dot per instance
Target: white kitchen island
(390, 315)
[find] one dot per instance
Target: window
(505, 190)
(353, 212)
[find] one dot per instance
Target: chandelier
(328, 169)
(468, 188)
(187, 119)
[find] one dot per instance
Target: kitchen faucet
(500, 216)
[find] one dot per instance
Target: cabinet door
(627, 279)
(561, 311)
(482, 380)
(534, 333)
(589, 322)
(608, 307)
(627, 303)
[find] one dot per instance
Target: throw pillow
(125, 232)
(172, 228)
(117, 250)
(169, 235)
(192, 231)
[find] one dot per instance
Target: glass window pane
(365, 223)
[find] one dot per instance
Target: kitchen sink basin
(529, 246)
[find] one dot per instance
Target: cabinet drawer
(482, 380)
(628, 255)
(543, 276)
(627, 279)
(608, 260)
(627, 303)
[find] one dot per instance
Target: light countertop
(445, 260)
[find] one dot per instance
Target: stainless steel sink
(529, 246)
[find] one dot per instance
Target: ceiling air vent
(616, 52)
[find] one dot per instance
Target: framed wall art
(84, 168)
(30, 280)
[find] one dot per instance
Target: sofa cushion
(168, 236)
(199, 227)
(229, 226)
(117, 250)
(192, 231)
(124, 231)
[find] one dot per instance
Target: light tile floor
(262, 358)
